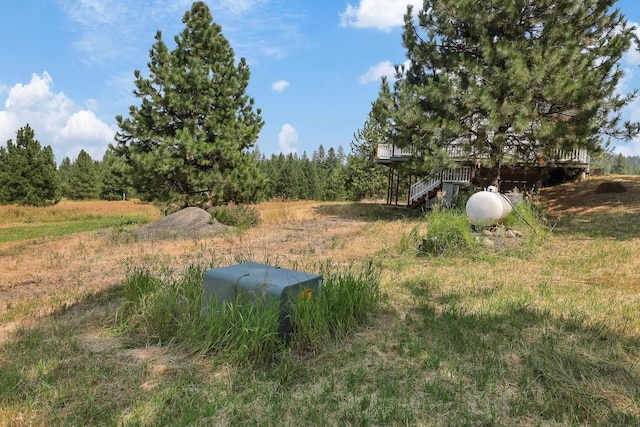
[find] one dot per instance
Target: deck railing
(390, 151)
(457, 175)
(577, 156)
(458, 151)
(424, 186)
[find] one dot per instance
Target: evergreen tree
(84, 180)
(620, 165)
(511, 80)
(115, 185)
(333, 175)
(28, 173)
(188, 142)
(313, 177)
(64, 177)
(633, 162)
(367, 179)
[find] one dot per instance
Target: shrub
(241, 216)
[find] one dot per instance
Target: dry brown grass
(279, 212)
(12, 215)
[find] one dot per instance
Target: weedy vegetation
(542, 332)
(243, 331)
(240, 216)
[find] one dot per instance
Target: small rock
(487, 233)
(516, 233)
(509, 234)
(488, 242)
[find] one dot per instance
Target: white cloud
(30, 95)
(280, 85)
(376, 72)
(382, 15)
(287, 139)
(55, 118)
(92, 104)
(84, 126)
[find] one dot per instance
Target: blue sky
(66, 66)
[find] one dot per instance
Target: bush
(241, 216)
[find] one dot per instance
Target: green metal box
(259, 282)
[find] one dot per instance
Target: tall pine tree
(367, 179)
(188, 142)
(511, 79)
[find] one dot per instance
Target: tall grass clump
(156, 308)
(448, 233)
(241, 216)
(346, 300)
(528, 218)
(246, 330)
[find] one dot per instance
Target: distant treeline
(328, 175)
(610, 163)
(29, 175)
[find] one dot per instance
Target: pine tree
(511, 80)
(367, 179)
(333, 174)
(188, 142)
(312, 176)
(620, 165)
(64, 174)
(84, 178)
(28, 173)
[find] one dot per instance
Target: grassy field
(547, 333)
(67, 217)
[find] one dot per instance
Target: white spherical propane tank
(487, 208)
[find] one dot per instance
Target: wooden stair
(427, 188)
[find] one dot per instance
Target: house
(525, 174)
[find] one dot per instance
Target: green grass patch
(63, 228)
(528, 218)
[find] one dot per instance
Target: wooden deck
(524, 174)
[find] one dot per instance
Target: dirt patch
(584, 198)
(611, 187)
(189, 223)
